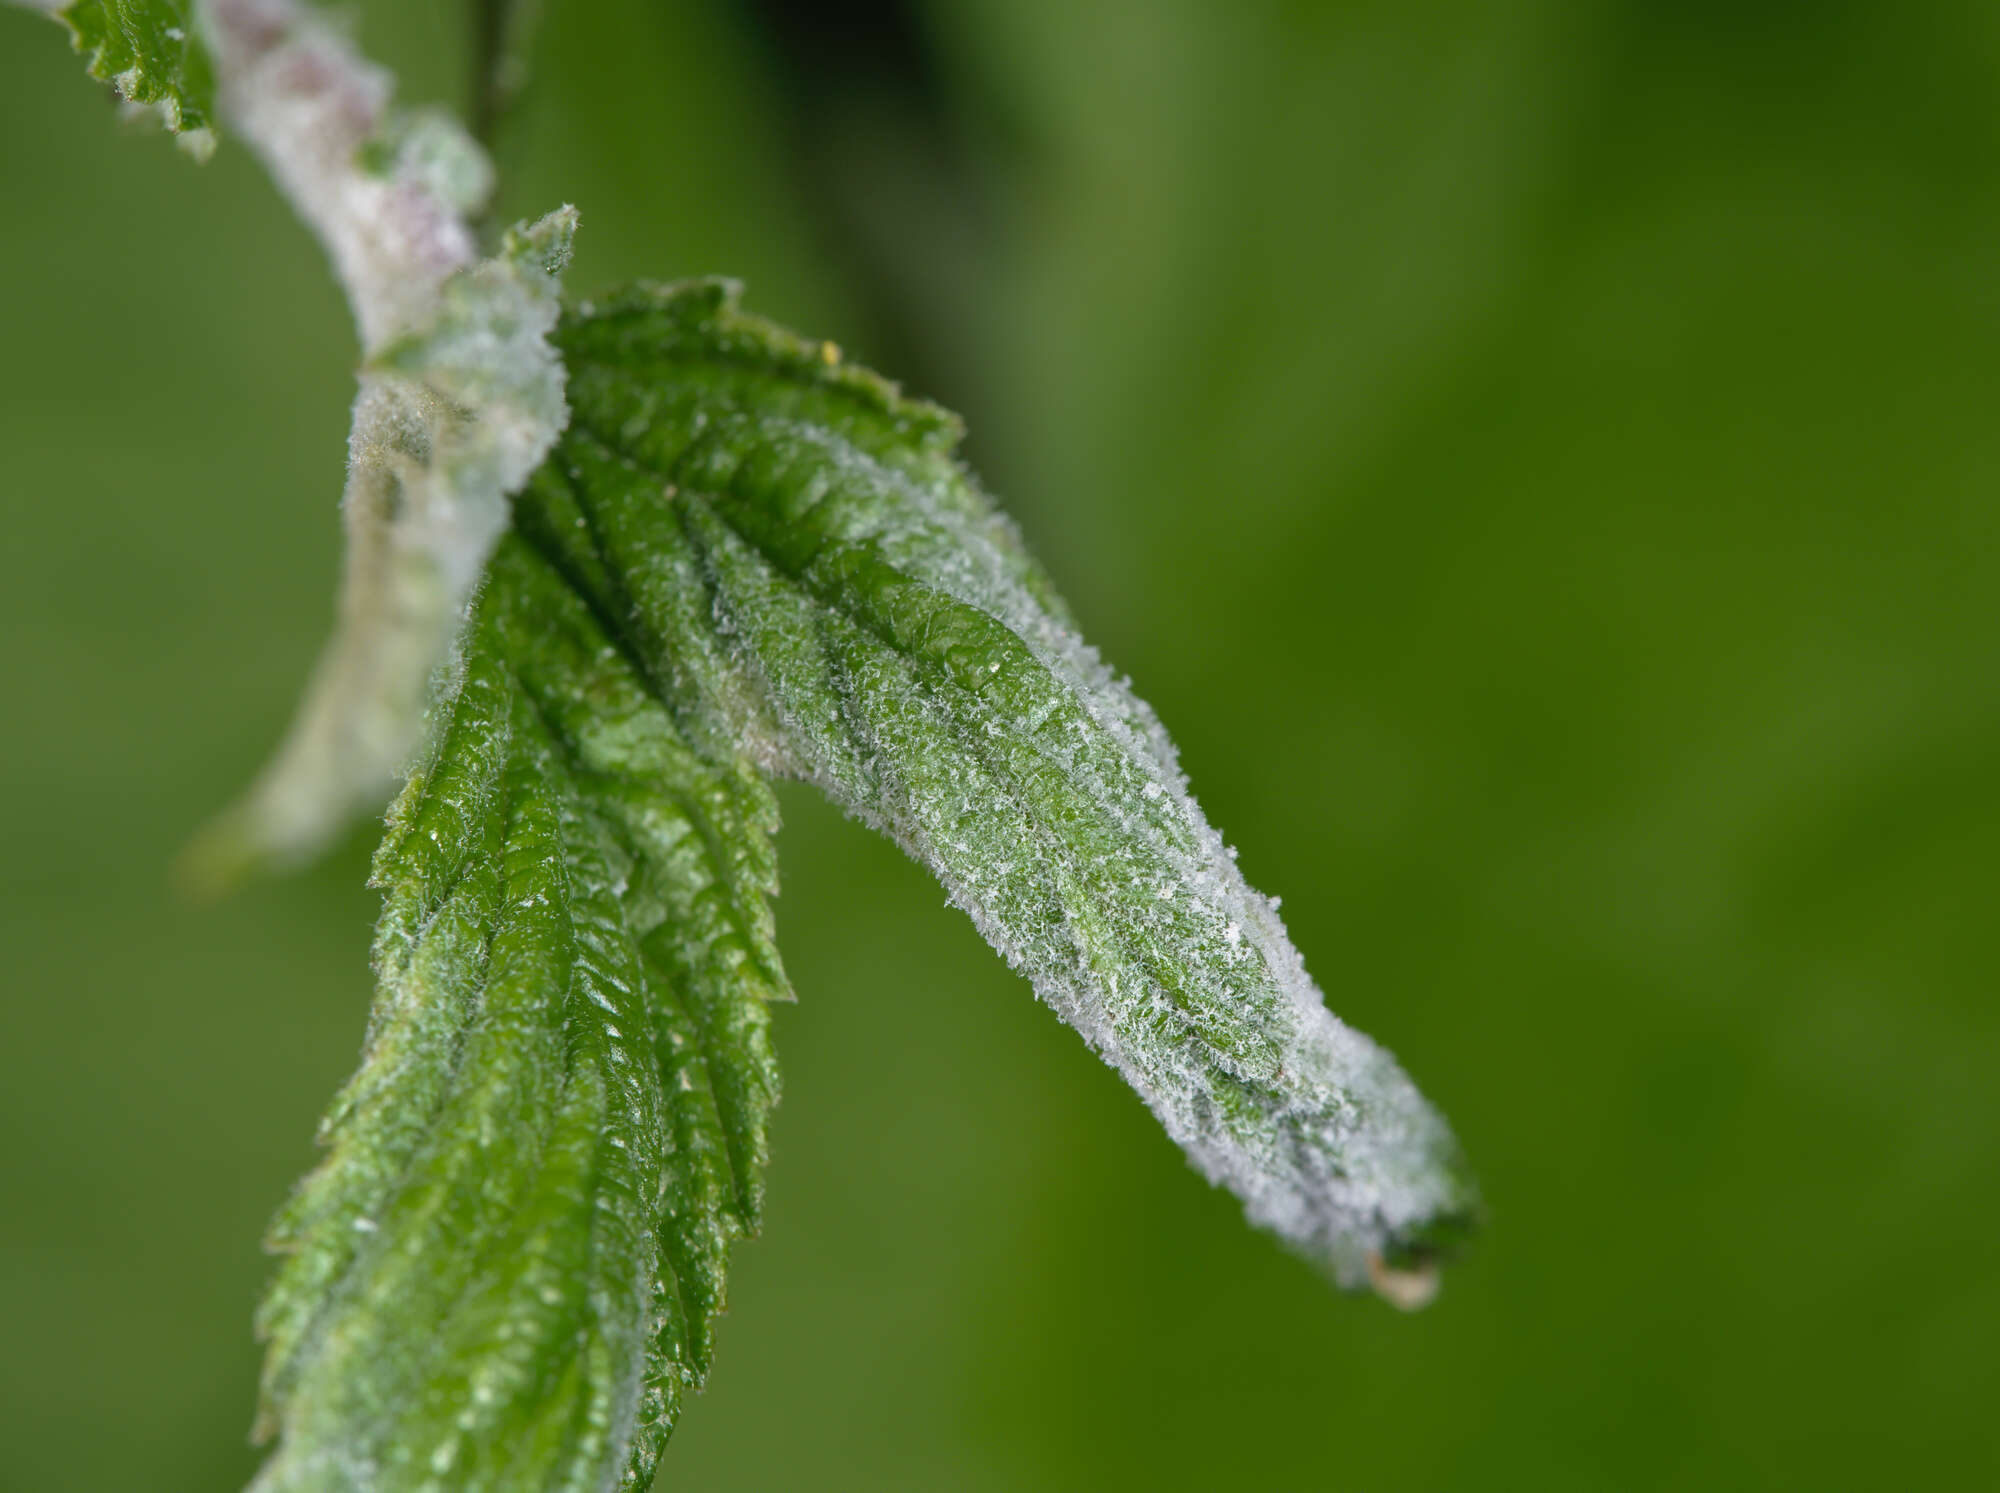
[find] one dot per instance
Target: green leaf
(744, 555)
(792, 552)
(148, 51)
(504, 1272)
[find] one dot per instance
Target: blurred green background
(1541, 461)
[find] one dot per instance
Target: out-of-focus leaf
(451, 418)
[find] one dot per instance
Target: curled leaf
(451, 418)
(801, 564)
(460, 397)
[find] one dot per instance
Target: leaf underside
(148, 50)
(746, 558)
(452, 416)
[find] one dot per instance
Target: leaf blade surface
(793, 553)
(503, 1274)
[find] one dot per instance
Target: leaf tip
(229, 850)
(547, 242)
(199, 143)
(1407, 1288)
(216, 861)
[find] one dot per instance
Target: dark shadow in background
(898, 155)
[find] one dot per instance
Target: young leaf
(149, 51)
(790, 549)
(503, 1274)
(451, 417)
(460, 398)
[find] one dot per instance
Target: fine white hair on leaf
(811, 576)
(460, 398)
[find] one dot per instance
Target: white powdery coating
(307, 103)
(1348, 1158)
(1353, 1156)
(461, 397)
(1055, 814)
(198, 143)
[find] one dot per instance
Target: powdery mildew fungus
(804, 562)
(460, 398)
